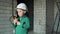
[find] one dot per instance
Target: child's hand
(18, 23)
(15, 20)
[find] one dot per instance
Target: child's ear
(24, 12)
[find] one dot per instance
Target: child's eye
(20, 11)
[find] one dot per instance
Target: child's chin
(20, 16)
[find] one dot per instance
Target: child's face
(21, 12)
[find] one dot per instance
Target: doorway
(30, 5)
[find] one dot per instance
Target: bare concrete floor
(31, 32)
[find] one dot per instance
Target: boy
(22, 21)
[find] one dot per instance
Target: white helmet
(22, 6)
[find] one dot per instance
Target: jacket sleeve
(26, 24)
(14, 25)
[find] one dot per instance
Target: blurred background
(44, 16)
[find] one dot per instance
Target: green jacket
(24, 25)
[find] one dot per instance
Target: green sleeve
(14, 25)
(27, 24)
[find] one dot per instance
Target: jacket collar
(22, 17)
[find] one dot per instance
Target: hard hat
(22, 6)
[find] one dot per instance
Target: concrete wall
(40, 16)
(55, 12)
(51, 11)
(49, 15)
(5, 13)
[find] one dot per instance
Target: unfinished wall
(55, 13)
(40, 16)
(5, 13)
(49, 15)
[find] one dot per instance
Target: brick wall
(5, 13)
(40, 16)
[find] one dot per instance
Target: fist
(18, 23)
